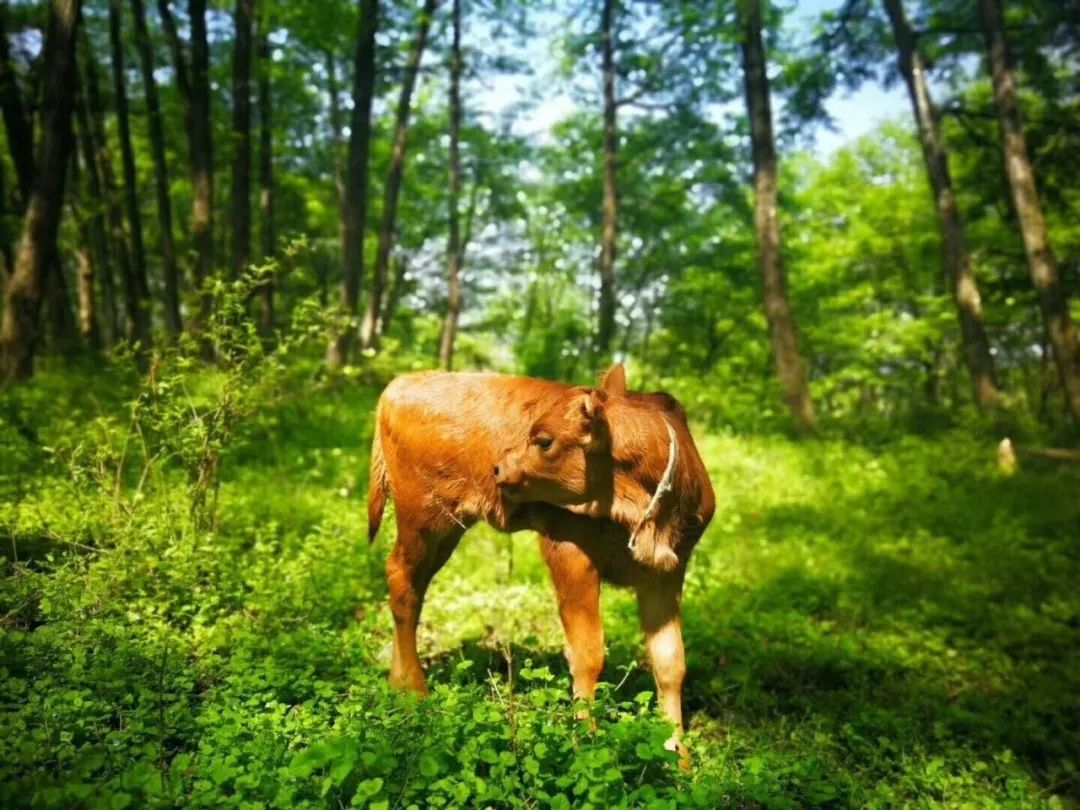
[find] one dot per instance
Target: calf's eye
(543, 442)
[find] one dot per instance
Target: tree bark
(354, 213)
(202, 163)
(140, 312)
(99, 242)
(183, 78)
(605, 328)
(1053, 301)
(173, 321)
(368, 327)
(117, 237)
(240, 226)
(336, 144)
(790, 367)
(266, 178)
(20, 134)
(20, 326)
(954, 246)
(453, 247)
(84, 256)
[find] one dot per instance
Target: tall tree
(202, 162)
(20, 136)
(790, 367)
(605, 328)
(110, 195)
(85, 257)
(368, 327)
(453, 245)
(1053, 301)
(266, 175)
(173, 322)
(140, 310)
(354, 214)
(20, 326)
(957, 260)
(241, 137)
(95, 218)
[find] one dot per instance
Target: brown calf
(438, 440)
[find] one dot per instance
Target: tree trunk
(335, 139)
(140, 312)
(354, 213)
(957, 260)
(173, 322)
(393, 295)
(58, 306)
(96, 226)
(117, 238)
(20, 326)
(20, 134)
(368, 328)
(453, 248)
(240, 226)
(202, 163)
(84, 257)
(605, 328)
(1044, 271)
(266, 178)
(790, 367)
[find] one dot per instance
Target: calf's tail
(377, 487)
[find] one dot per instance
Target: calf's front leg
(577, 591)
(658, 611)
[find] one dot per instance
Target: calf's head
(566, 459)
(563, 459)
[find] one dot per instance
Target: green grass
(885, 625)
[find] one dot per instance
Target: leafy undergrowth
(865, 626)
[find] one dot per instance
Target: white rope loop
(667, 483)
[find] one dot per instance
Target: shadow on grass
(935, 617)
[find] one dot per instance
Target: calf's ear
(594, 420)
(614, 380)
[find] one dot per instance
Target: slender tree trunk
(393, 295)
(957, 260)
(180, 66)
(605, 328)
(368, 331)
(453, 247)
(790, 367)
(117, 237)
(141, 310)
(84, 257)
(240, 226)
(202, 162)
(336, 143)
(173, 322)
(96, 226)
(354, 212)
(1053, 301)
(61, 321)
(17, 124)
(266, 178)
(20, 325)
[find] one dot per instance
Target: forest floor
(867, 624)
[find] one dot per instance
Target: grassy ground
(866, 626)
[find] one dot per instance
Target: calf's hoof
(676, 745)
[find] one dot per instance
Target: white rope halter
(666, 484)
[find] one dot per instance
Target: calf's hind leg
(416, 558)
(658, 610)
